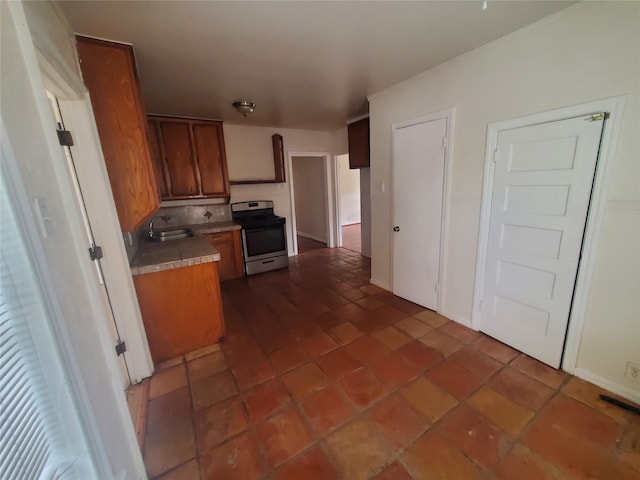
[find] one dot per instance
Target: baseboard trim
(312, 237)
(377, 283)
(456, 318)
(628, 393)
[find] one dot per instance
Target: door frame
(76, 109)
(595, 215)
(449, 116)
(338, 198)
(329, 172)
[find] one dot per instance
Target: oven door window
(264, 241)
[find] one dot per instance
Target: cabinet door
(212, 162)
(181, 309)
(228, 244)
(358, 133)
(109, 73)
(179, 158)
(157, 159)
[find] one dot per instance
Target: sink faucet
(165, 218)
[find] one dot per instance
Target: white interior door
(104, 294)
(541, 191)
(418, 177)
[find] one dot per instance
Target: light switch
(42, 215)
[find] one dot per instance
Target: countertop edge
(187, 252)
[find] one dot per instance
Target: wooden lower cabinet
(181, 309)
(229, 245)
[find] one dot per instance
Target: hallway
(325, 376)
(352, 238)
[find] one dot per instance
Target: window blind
(25, 445)
(36, 438)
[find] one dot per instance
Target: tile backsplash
(195, 214)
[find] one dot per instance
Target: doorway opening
(348, 187)
(312, 210)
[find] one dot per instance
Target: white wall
(340, 141)
(349, 180)
(310, 197)
(587, 52)
(365, 212)
(249, 151)
(61, 258)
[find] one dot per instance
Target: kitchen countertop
(215, 227)
(158, 256)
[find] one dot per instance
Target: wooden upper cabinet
(180, 159)
(212, 162)
(358, 133)
(191, 158)
(109, 73)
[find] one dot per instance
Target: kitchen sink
(176, 234)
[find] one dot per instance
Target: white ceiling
(305, 64)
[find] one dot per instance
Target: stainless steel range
(264, 239)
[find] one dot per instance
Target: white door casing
(330, 177)
(418, 186)
(543, 177)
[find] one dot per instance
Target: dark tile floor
(324, 376)
(307, 244)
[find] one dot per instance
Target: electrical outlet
(633, 371)
(219, 211)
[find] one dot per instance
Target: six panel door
(541, 191)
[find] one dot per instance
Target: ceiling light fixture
(484, 4)
(244, 107)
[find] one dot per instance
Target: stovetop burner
(255, 214)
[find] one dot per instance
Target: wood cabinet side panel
(278, 157)
(231, 264)
(238, 258)
(358, 135)
(181, 309)
(108, 71)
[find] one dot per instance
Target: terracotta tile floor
(351, 237)
(323, 376)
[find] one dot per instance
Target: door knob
(396, 228)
